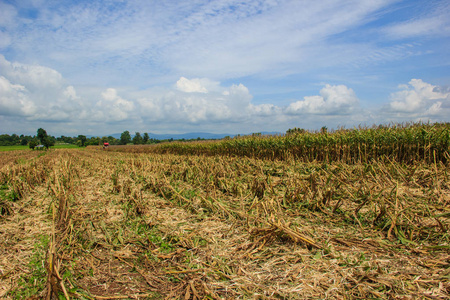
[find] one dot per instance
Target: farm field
(90, 224)
(15, 148)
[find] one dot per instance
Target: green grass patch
(64, 146)
(12, 148)
(33, 282)
(20, 147)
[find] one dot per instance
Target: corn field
(162, 223)
(406, 143)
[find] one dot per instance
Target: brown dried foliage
(151, 226)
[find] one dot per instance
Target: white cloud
(7, 14)
(14, 99)
(434, 109)
(32, 94)
(416, 97)
(192, 106)
(34, 77)
(145, 44)
(420, 100)
(333, 100)
(112, 107)
(38, 93)
(433, 23)
(429, 26)
(264, 110)
(142, 41)
(191, 86)
(5, 39)
(70, 93)
(282, 37)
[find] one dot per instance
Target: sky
(221, 66)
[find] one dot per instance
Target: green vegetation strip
(57, 146)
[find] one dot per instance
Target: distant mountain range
(189, 135)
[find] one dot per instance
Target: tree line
(46, 140)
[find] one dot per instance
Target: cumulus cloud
(233, 105)
(192, 102)
(33, 76)
(42, 94)
(112, 107)
(333, 100)
(37, 92)
(419, 99)
(264, 110)
(14, 99)
(191, 86)
(32, 94)
(178, 108)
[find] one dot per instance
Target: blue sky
(101, 67)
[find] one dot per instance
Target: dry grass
(104, 225)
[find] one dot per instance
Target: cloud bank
(33, 96)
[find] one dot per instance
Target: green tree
(137, 139)
(82, 139)
(48, 142)
(93, 141)
(32, 144)
(146, 138)
(45, 139)
(41, 134)
(112, 140)
(125, 137)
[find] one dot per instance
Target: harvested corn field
(89, 224)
